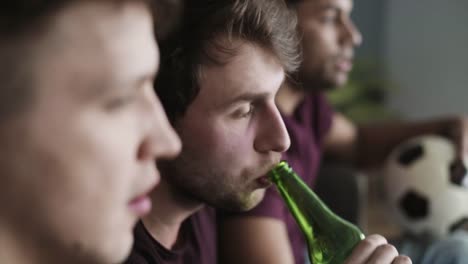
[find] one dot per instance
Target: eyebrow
(103, 87)
(252, 96)
(247, 97)
(332, 7)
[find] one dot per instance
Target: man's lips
(141, 205)
(263, 182)
(344, 65)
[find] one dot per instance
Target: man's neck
(288, 98)
(170, 209)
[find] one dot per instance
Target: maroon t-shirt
(307, 129)
(198, 243)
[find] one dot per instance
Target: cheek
(89, 174)
(319, 41)
(226, 144)
(71, 198)
(75, 174)
(91, 163)
(111, 158)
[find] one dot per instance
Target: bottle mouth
(274, 174)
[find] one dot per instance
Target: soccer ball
(422, 193)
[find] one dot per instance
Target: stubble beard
(203, 185)
(322, 80)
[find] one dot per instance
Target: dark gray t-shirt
(197, 246)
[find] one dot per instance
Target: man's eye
(249, 112)
(328, 19)
(119, 102)
(245, 111)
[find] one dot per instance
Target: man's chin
(312, 83)
(255, 198)
(242, 204)
(340, 80)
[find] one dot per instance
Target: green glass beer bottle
(330, 239)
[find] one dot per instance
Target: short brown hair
(21, 21)
(267, 23)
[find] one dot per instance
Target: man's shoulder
(204, 235)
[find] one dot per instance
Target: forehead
(252, 70)
(321, 5)
(102, 39)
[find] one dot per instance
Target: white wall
(368, 16)
(425, 47)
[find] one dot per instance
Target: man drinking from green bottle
(268, 233)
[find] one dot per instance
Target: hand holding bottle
(330, 239)
(375, 249)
